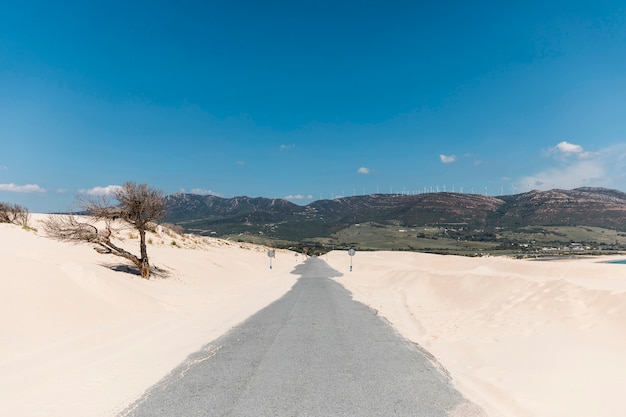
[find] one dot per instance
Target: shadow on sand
(155, 271)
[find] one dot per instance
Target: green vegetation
(528, 241)
(29, 228)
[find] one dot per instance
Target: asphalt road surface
(313, 352)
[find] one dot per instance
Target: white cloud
(447, 159)
(28, 188)
(566, 149)
(605, 168)
(363, 170)
(298, 197)
(579, 174)
(286, 147)
(4, 168)
(203, 191)
(240, 163)
(101, 191)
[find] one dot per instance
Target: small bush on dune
(175, 228)
(14, 213)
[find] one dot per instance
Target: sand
(520, 338)
(80, 336)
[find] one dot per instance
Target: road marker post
(351, 252)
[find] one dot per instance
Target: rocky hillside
(280, 219)
(579, 207)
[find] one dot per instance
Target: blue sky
(309, 99)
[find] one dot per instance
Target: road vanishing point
(313, 352)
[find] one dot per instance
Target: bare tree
(14, 213)
(139, 207)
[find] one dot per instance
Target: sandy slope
(78, 338)
(520, 338)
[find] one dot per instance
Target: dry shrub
(178, 229)
(14, 213)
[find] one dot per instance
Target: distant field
(567, 234)
(371, 236)
(459, 240)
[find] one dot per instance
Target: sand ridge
(82, 336)
(520, 338)
(79, 336)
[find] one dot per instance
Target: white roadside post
(351, 252)
(271, 253)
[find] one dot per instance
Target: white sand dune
(78, 338)
(520, 338)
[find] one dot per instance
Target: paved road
(314, 352)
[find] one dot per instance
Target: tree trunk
(106, 246)
(145, 269)
(145, 264)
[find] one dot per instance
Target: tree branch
(139, 207)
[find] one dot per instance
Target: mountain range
(330, 222)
